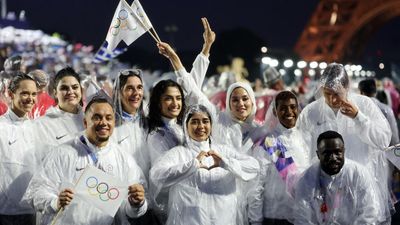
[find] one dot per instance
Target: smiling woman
(22, 90)
(61, 123)
(179, 170)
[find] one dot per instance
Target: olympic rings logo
(121, 23)
(396, 152)
(101, 189)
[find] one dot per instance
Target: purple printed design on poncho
(276, 150)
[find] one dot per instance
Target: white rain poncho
(227, 130)
(350, 197)
(55, 128)
(11, 117)
(197, 195)
(283, 156)
(365, 136)
(17, 165)
(64, 165)
(130, 131)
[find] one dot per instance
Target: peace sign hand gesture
(208, 36)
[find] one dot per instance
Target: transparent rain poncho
(229, 131)
(283, 155)
(197, 195)
(18, 162)
(350, 197)
(62, 168)
(130, 131)
(365, 136)
(56, 127)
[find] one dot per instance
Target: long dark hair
(67, 72)
(154, 117)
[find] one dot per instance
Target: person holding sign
(54, 189)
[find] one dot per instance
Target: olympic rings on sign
(101, 189)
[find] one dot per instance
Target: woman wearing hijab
(201, 175)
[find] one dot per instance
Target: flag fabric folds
(128, 24)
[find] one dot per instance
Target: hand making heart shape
(209, 160)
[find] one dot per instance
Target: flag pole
(62, 209)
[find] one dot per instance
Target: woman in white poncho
(201, 176)
(61, 123)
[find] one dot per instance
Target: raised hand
(136, 194)
(208, 36)
(348, 109)
(64, 198)
(167, 51)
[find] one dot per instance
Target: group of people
(187, 162)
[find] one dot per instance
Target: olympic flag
(101, 190)
(128, 24)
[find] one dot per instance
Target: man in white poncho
(365, 130)
(335, 190)
(65, 164)
(283, 155)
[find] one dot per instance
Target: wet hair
(200, 109)
(284, 95)
(16, 80)
(329, 135)
(154, 116)
(67, 72)
(335, 74)
(99, 97)
(367, 86)
(125, 74)
(119, 84)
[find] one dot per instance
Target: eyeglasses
(129, 72)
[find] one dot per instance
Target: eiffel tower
(339, 29)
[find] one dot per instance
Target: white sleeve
(303, 211)
(242, 166)
(42, 192)
(172, 168)
(135, 212)
(256, 195)
(372, 126)
(199, 69)
(157, 146)
(393, 127)
(367, 200)
(194, 95)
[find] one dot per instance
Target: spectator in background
(44, 100)
(367, 87)
(273, 79)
